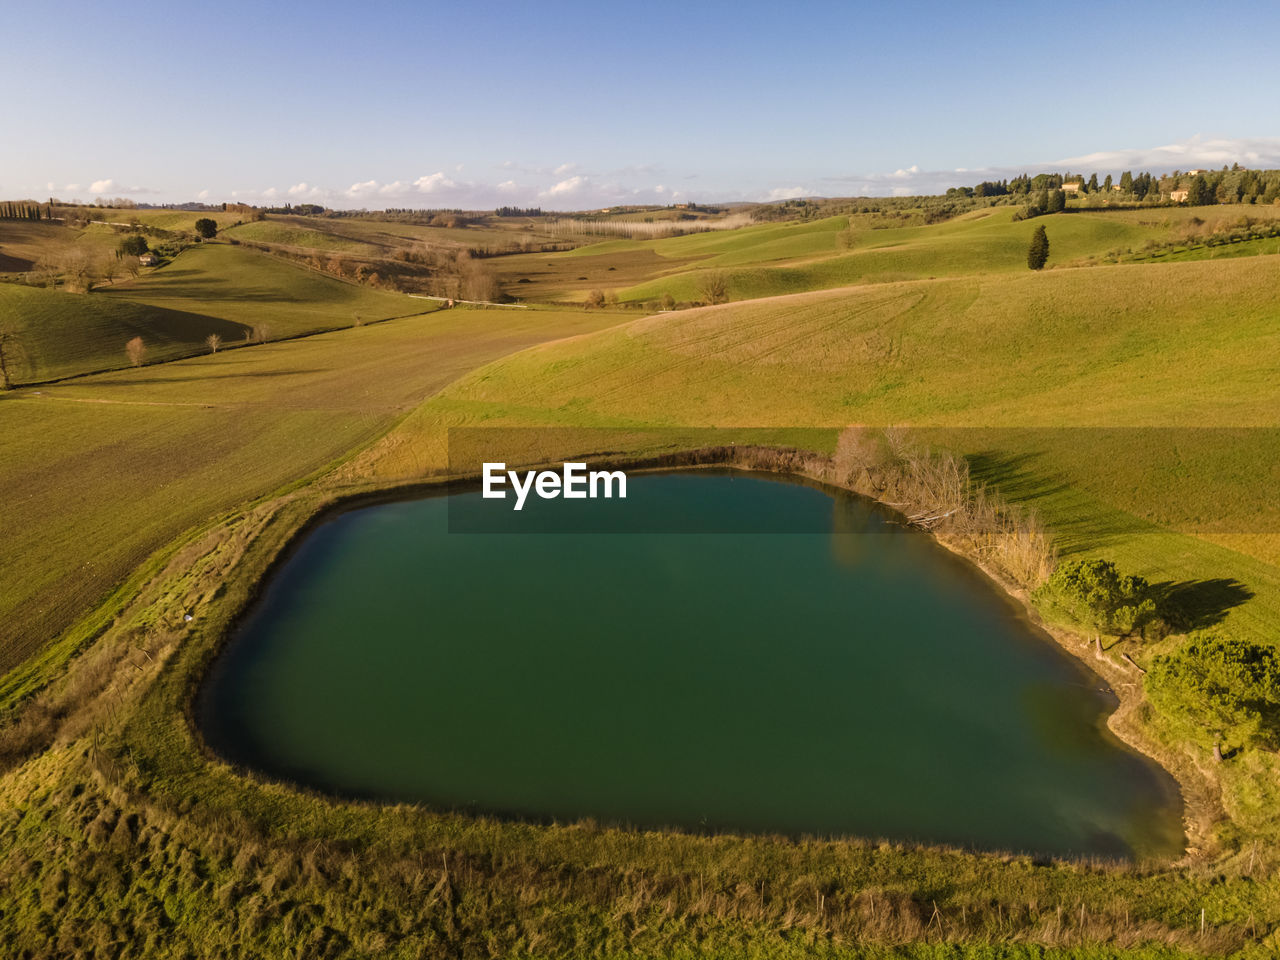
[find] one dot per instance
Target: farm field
(128, 460)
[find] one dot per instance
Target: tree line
(1235, 184)
(25, 210)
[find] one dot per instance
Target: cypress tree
(1038, 252)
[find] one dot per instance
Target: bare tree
(76, 275)
(132, 265)
(261, 333)
(714, 287)
(214, 341)
(109, 269)
(478, 283)
(47, 270)
(137, 351)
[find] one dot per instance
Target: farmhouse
(1072, 187)
(148, 260)
(1179, 196)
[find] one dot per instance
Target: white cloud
(1197, 151)
(202, 195)
(508, 186)
(433, 182)
(788, 193)
(103, 186)
(564, 168)
(565, 187)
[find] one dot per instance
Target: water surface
(852, 678)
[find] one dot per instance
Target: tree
(595, 300)
(1215, 690)
(1038, 252)
(1198, 192)
(137, 351)
(668, 302)
(134, 245)
(1106, 184)
(713, 288)
(1095, 595)
(1126, 182)
(1093, 184)
(1056, 201)
(206, 227)
(214, 341)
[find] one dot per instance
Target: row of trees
(24, 210)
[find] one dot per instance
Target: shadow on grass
(1196, 604)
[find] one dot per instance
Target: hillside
(1145, 348)
(65, 334)
(255, 290)
(772, 259)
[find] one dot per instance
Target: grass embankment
(101, 471)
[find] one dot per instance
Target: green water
(851, 678)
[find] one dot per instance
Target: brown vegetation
(137, 351)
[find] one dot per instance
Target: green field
(1134, 405)
(246, 287)
(65, 334)
(209, 289)
(781, 258)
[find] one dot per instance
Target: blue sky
(571, 105)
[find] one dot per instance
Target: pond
(801, 665)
